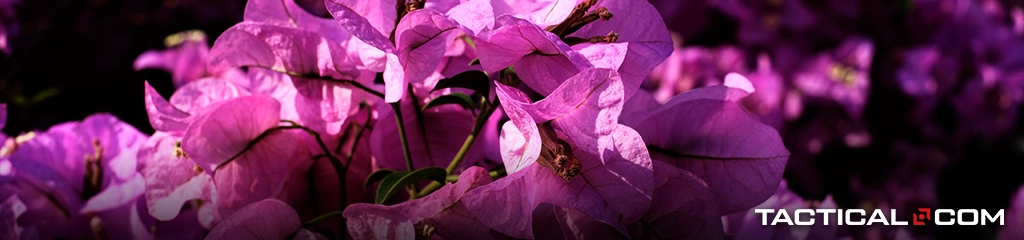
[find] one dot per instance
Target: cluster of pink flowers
(399, 120)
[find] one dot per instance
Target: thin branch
(329, 79)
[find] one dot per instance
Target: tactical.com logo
(924, 216)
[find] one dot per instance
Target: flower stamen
(612, 37)
(556, 154)
(579, 18)
(93, 171)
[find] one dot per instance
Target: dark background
(72, 58)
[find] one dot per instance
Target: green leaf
(474, 80)
(455, 98)
(376, 176)
(45, 94)
(397, 180)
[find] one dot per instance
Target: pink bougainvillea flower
(440, 214)
(693, 67)
(172, 179)
(700, 131)
(8, 24)
(175, 115)
(747, 225)
(548, 42)
(283, 37)
(841, 76)
(264, 219)
(915, 75)
(83, 171)
(766, 102)
(413, 38)
(584, 160)
(182, 170)
(185, 58)
(682, 207)
(223, 140)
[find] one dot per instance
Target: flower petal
(706, 133)
(284, 49)
(224, 130)
(640, 25)
(612, 188)
(541, 59)
(371, 21)
(266, 219)
(422, 37)
(683, 208)
(116, 195)
(162, 115)
(263, 171)
(170, 180)
(197, 95)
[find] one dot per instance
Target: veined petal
(371, 21)
(706, 133)
(224, 130)
(284, 49)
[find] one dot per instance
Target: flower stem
(321, 218)
(359, 134)
(341, 170)
(329, 79)
(422, 125)
(477, 127)
(397, 106)
(253, 143)
(480, 122)
(496, 173)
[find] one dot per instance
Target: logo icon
(919, 218)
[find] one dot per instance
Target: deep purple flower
(79, 173)
(185, 58)
(767, 102)
(10, 210)
(841, 76)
